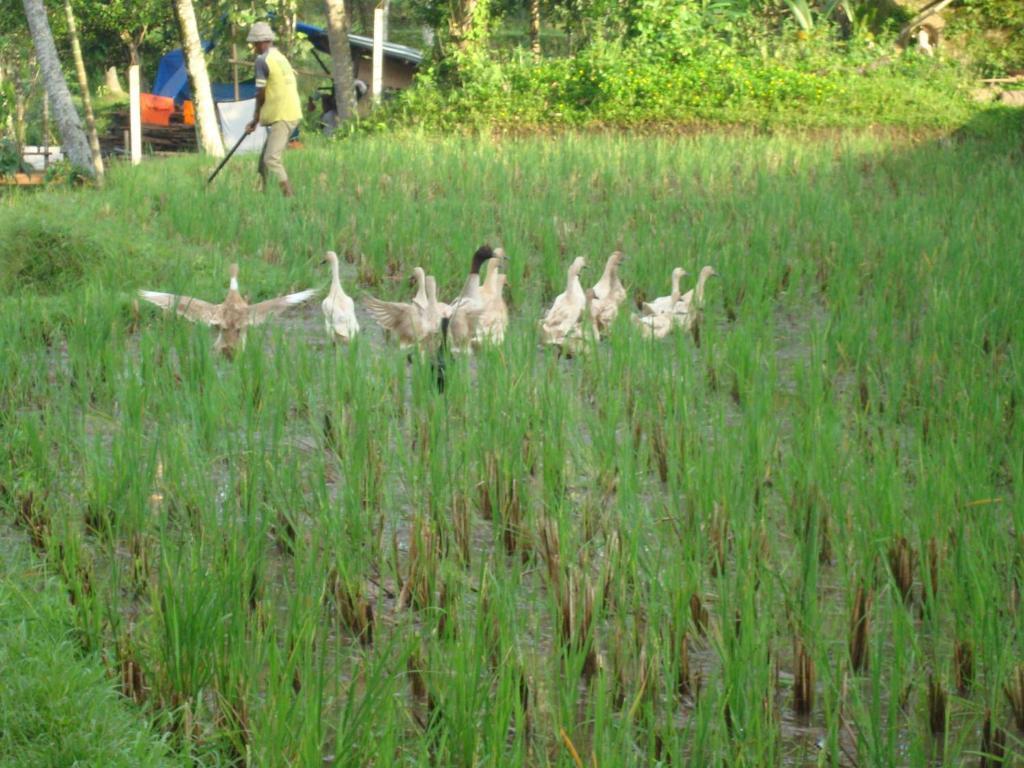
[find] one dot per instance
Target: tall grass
(777, 546)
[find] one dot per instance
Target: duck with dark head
(469, 306)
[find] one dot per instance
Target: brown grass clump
(963, 664)
(937, 707)
(461, 525)
(1014, 690)
(720, 539)
(803, 683)
(575, 596)
(901, 563)
(355, 612)
(993, 744)
(934, 561)
(133, 684)
(859, 629)
(681, 651)
(698, 614)
(421, 570)
(499, 499)
(32, 519)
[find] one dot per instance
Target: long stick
(227, 157)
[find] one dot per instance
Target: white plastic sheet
(34, 156)
(234, 116)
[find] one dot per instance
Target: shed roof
(318, 37)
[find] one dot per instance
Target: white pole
(378, 53)
(135, 113)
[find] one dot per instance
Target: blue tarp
(172, 80)
(316, 35)
(172, 77)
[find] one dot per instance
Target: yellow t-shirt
(274, 73)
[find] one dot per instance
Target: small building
(400, 61)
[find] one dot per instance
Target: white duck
(420, 299)
(665, 305)
(410, 322)
(232, 317)
(565, 311)
(468, 307)
(586, 330)
(339, 309)
(687, 310)
(654, 326)
(494, 319)
(609, 292)
(487, 288)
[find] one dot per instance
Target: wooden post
(234, 60)
(135, 113)
(46, 131)
(378, 53)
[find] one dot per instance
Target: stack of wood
(175, 137)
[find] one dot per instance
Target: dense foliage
(992, 32)
(709, 82)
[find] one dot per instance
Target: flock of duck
(479, 315)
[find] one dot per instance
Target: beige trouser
(273, 148)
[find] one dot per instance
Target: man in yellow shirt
(277, 103)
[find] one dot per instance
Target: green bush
(10, 163)
(992, 33)
(807, 84)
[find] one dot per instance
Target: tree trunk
(202, 95)
(72, 137)
(113, 84)
(8, 126)
(286, 40)
(83, 83)
(341, 58)
(19, 119)
(535, 28)
(461, 24)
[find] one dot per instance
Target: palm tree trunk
(535, 28)
(202, 95)
(83, 83)
(72, 137)
(341, 58)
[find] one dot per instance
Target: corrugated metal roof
(318, 37)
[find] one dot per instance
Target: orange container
(188, 112)
(156, 110)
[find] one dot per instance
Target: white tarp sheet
(35, 156)
(234, 116)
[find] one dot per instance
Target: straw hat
(261, 32)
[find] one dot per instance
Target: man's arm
(261, 96)
(262, 73)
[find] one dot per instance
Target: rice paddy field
(793, 539)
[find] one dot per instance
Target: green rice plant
(800, 520)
